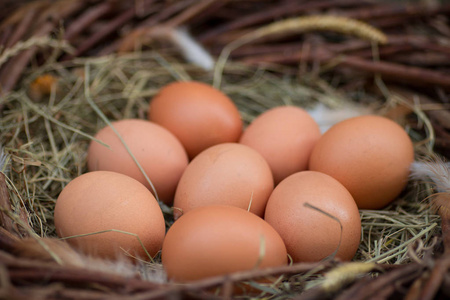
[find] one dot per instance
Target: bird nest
(67, 65)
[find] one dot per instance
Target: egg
(218, 240)
(370, 155)
(103, 201)
(158, 151)
(199, 115)
(285, 137)
(229, 174)
(307, 209)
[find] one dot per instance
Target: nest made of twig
(47, 124)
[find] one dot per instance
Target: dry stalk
(301, 24)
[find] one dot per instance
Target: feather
(191, 49)
(55, 250)
(326, 117)
(438, 171)
(47, 249)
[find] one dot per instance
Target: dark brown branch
(369, 288)
(5, 206)
(4, 37)
(22, 28)
(58, 10)
(434, 282)
(384, 51)
(442, 140)
(7, 240)
(422, 59)
(87, 18)
(105, 32)
(12, 71)
(25, 270)
(392, 71)
(49, 15)
(16, 16)
(278, 11)
(440, 114)
(165, 13)
(395, 10)
(189, 13)
(397, 72)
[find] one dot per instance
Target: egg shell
(309, 234)
(285, 137)
(104, 200)
(199, 115)
(370, 155)
(158, 151)
(230, 174)
(217, 240)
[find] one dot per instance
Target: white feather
(191, 49)
(438, 172)
(120, 267)
(326, 117)
(125, 268)
(53, 249)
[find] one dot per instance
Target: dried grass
(47, 140)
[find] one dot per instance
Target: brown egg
(103, 200)
(230, 174)
(199, 115)
(370, 155)
(158, 151)
(285, 137)
(310, 234)
(217, 240)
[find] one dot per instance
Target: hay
(51, 115)
(47, 139)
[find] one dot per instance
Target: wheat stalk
(42, 41)
(339, 24)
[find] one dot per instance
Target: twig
(79, 276)
(278, 11)
(107, 30)
(165, 13)
(438, 112)
(189, 13)
(442, 141)
(395, 10)
(12, 72)
(434, 282)
(32, 42)
(22, 28)
(368, 288)
(392, 71)
(5, 205)
(21, 270)
(7, 240)
(17, 15)
(90, 16)
(301, 24)
(4, 36)
(24, 269)
(397, 72)
(421, 59)
(383, 52)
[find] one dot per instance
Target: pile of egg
(242, 199)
